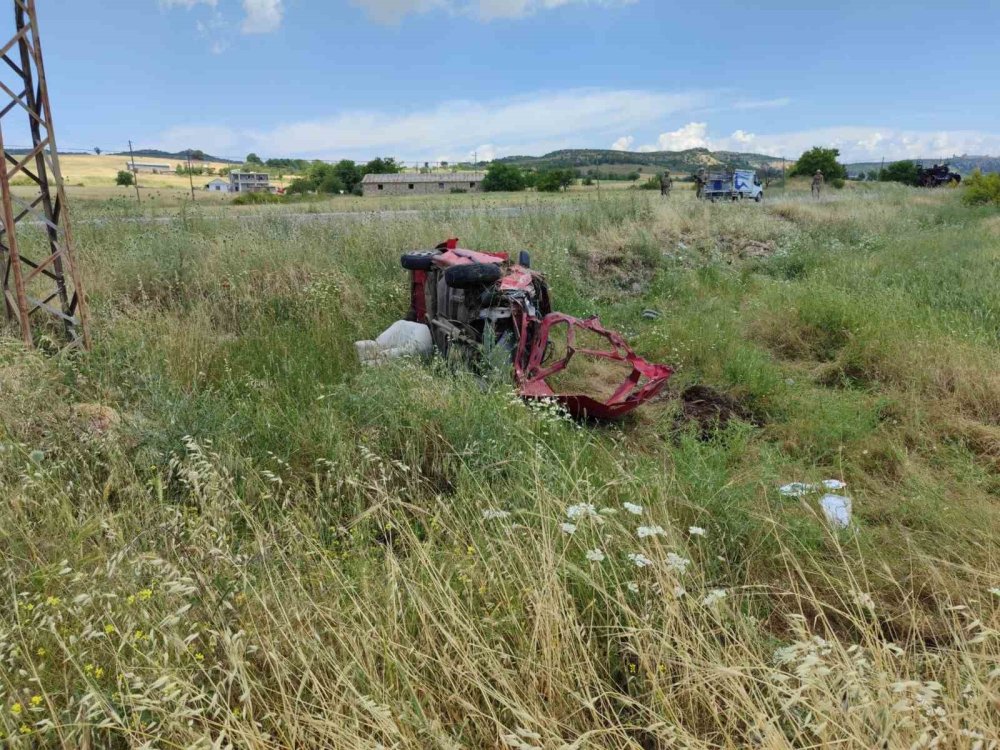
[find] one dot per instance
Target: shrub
(458, 190)
(255, 199)
(653, 183)
(125, 178)
(982, 189)
(837, 183)
(554, 180)
(906, 172)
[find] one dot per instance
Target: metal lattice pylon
(41, 282)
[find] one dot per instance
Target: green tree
(823, 159)
(349, 174)
(196, 154)
(252, 158)
(125, 178)
(554, 180)
(906, 172)
(381, 165)
(500, 177)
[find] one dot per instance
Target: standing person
(666, 183)
(699, 183)
(817, 183)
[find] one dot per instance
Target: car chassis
(475, 302)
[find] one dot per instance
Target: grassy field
(218, 531)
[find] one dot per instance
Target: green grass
(272, 547)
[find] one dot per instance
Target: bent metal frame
(41, 282)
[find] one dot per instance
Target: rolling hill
(964, 165)
(607, 160)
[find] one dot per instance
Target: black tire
(418, 260)
(471, 275)
(524, 259)
(759, 197)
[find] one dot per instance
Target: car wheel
(471, 275)
(760, 196)
(418, 260)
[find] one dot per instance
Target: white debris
(797, 489)
(837, 510)
(833, 484)
(403, 338)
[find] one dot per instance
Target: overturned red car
(480, 304)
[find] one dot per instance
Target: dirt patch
(734, 249)
(95, 419)
(619, 268)
(710, 410)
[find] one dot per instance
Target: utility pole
(135, 173)
(190, 178)
(41, 282)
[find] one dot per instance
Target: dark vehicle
(937, 175)
(478, 303)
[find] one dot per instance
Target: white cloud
(623, 144)
(783, 101)
(692, 135)
(393, 11)
(262, 16)
(522, 125)
(860, 143)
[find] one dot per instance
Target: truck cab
(746, 184)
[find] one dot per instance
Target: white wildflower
(714, 597)
(640, 560)
(581, 510)
(679, 592)
(632, 508)
(696, 531)
(676, 563)
(595, 555)
(633, 587)
(491, 513)
(568, 528)
(646, 531)
(864, 600)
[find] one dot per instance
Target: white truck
(739, 184)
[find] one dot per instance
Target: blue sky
(443, 79)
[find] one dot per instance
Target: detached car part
(479, 304)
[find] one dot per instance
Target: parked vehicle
(739, 184)
(481, 305)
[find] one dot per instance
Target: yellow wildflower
(41, 651)
(16, 709)
(99, 672)
(88, 668)
(146, 594)
(29, 607)
(131, 599)
(199, 656)
(109, 629)
(24, 729)
(36, 700)
(53, 601)
(139, 635)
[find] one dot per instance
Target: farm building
(422, 184)
(249, 182)
(151, 168)
(218, 185)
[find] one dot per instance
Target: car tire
(470, 275)
(759, 197)
(418, 260)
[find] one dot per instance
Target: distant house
(249, 182)
(218, 185)
(409, 183)
(151, 168)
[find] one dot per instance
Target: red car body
(495, 302)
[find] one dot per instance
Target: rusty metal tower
(41, 282)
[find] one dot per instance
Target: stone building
(411, 183)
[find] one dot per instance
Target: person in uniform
(666, 183)
(817, 183)
(699, 183)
